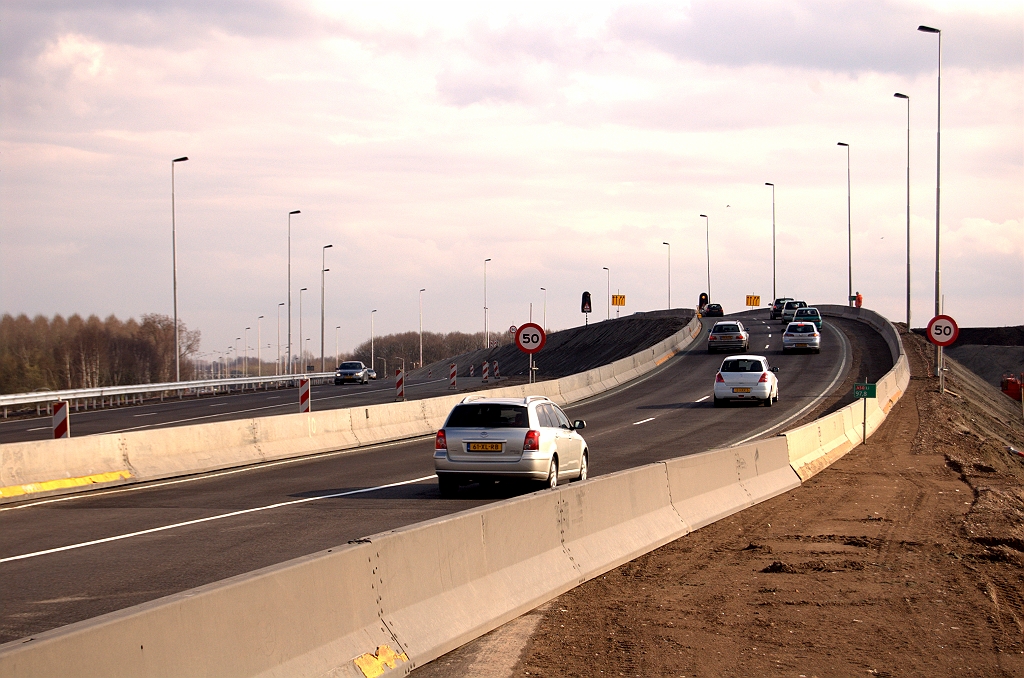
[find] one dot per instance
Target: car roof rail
(471, 398)
(532, 398)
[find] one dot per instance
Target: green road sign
(864, 390)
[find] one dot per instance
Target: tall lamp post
(278, 368)
(487, 338)
(174, 265)
(774, 292)
(371, 341)
(302, 367)
(336, 351)
(938, 176)
(669, 274)
(259, 352)
(245, 361)
(421, 325)
(707, 245)
(608, 294)
(237, 339)
(849, 229)
(544, 290)
(323, 270)
(290, 368)
(904, 96)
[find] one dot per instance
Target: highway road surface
(72, 558)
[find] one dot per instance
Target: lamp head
(768, 183)
(928, 29)
(842, 144)
(295, 212)
(705, 216)
(901, 96)
(181, 159)
(326, 246)
(665, 243)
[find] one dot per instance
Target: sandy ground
(904, 558)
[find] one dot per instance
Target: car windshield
(714, 307)
(488, 415)
(802, 328)
(724, 329)
(743, 365)
(351, 366)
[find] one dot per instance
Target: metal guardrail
(179, 388)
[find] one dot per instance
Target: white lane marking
(218, 405)
(147, 414)
(825, 393)
(210, 518)
(230, 472)
(274, 398)
(769, 336)
(700, 400)
(41, 428)
(766, 345)
(643, 421)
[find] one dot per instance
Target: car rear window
(488, 415)
(809, 312)
(743, 365)
(351, 366)
(801, 329)
(714, 307)
(725, 329)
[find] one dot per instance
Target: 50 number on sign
(530, 338)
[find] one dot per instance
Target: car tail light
(441, 441)
(712, 338)
(719, 379)
(532, 441)
(815, 335)
(763, 379)
(789, 334)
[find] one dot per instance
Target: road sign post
(530, 338)
(753, 300)
(864, 391)
(942, 331)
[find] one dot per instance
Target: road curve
(72, 558)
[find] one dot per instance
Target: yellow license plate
(741, 390)
(801, 345)
(484, 447)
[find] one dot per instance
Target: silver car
(746, 377)
(789, 310)
(353, 372)
(526, 438)
(801, 336)
(728, 335)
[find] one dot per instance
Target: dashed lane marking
(643, 421)
(41, 428)
(700, 400)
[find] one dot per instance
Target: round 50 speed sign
(942, 330)
(530, 338)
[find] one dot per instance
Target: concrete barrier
(49, 467)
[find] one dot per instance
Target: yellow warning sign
(753, 300)
(618, 300)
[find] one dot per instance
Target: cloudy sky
(555, 139)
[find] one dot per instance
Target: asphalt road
(72, 558)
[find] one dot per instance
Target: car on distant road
(746, 378)
(728, 335)
(486, 439)
(801, 336)
(776, 310)
(713, 311)
(808, 315)
(351, 372)
(790, 308)
(372, 372)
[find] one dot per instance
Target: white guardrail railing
(176, 387)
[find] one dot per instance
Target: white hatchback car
(746, 378)
(528, 438)
(801, 335)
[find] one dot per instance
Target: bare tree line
(436, 346)
(58, 353)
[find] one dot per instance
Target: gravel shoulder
(906, 557)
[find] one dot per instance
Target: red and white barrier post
(399, 384)
(453, 371)
(486, 370)
(472, 367)
(304, 401)
(61, 425)
(496, 377)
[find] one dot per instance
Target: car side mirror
(579, 425)
(775, 369)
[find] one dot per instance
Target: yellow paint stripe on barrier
(372, 665)
(46, 486)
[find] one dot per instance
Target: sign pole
(864, 437)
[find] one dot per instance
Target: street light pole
(849, 228)
(421, 325)
(774, 292)
(608, 295)
(278, 367)
(174, 266)
(707, 244)
(938, 176)
(904, 96)
(323, 263)
(245, 361)
(259, 352)
(487, 338)
(301, 345)
(669, 274)
(290, 370)
(336, 351)
(545, 308)
(371, 340)
(237, 339)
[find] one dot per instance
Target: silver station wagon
(526, 438)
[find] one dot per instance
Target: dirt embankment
(904, 558)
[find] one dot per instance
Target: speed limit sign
(512, 330)
(942, 330)
(530, 338)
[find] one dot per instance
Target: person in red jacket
(860, 300)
